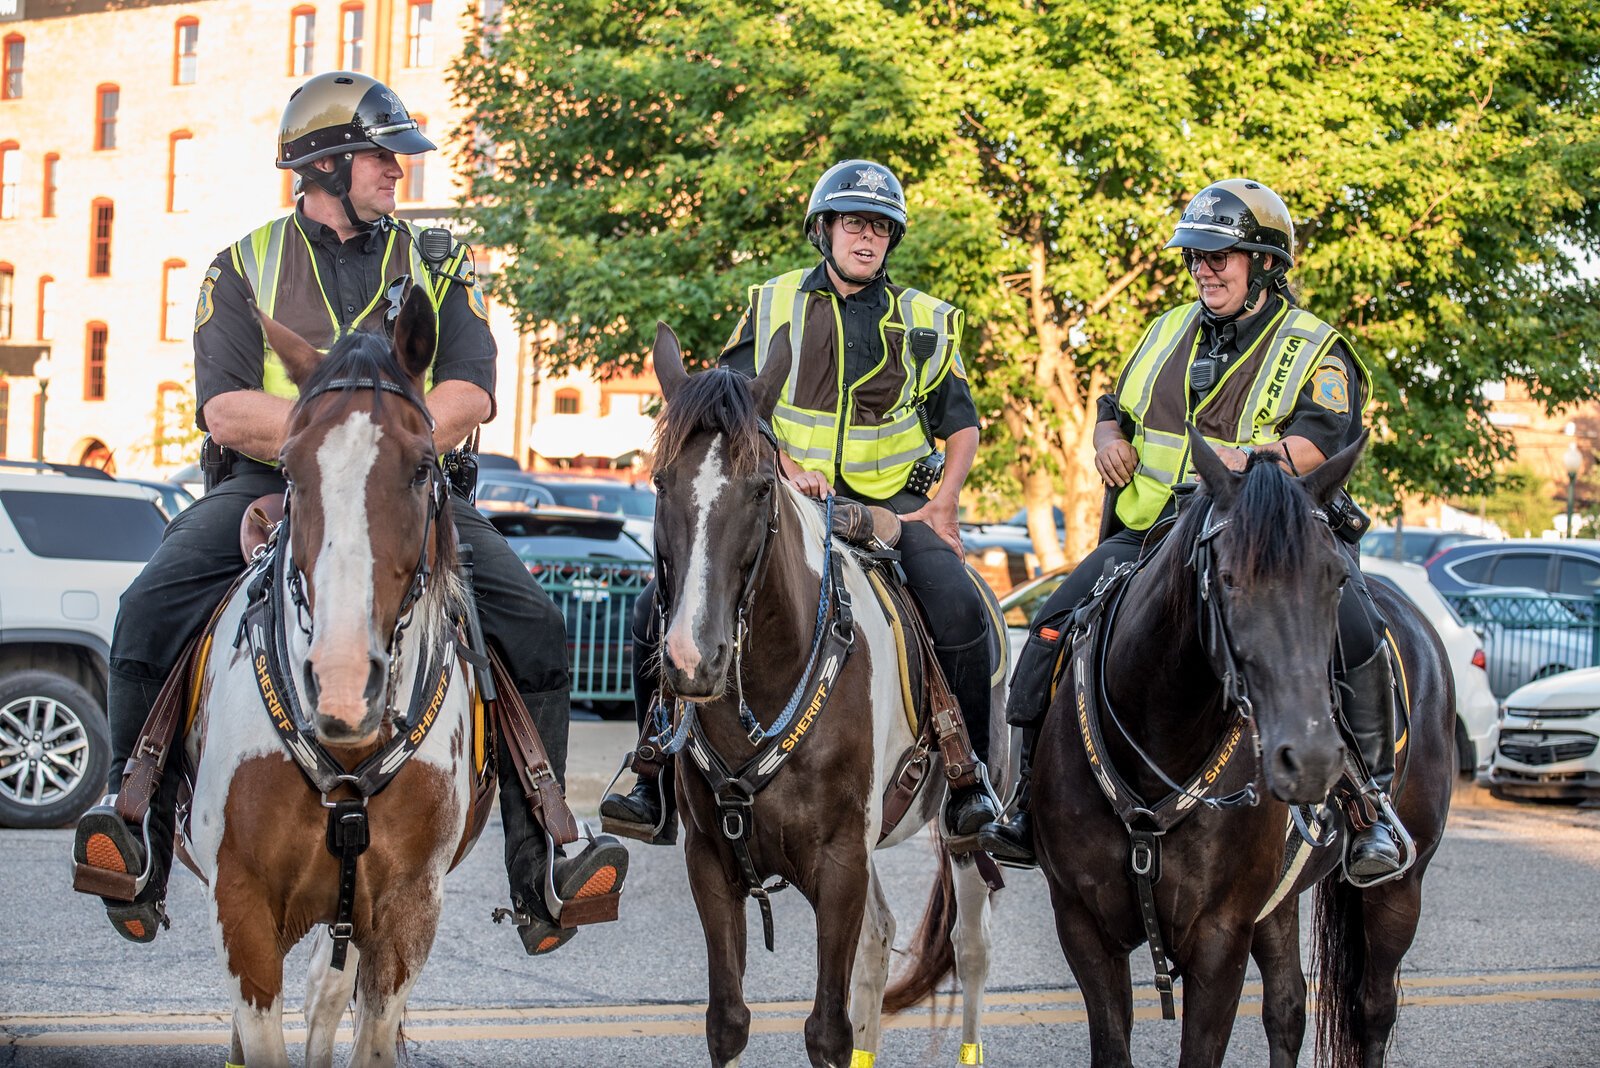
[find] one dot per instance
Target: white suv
(69, 546)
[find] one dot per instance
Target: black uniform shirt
(228, 348)
(1328, 428)
(950, 407)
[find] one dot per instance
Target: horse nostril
(1288, 761)
(312, 688)
(377, 671)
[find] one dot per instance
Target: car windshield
(618, 500)
(1021, 608)
(82, 526)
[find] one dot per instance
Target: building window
(105, 116)
(419, 36)
(172, 323)
(11, 83)
(47, 309)
(186, 51)
(94, 362)
(100, 239)
(567, 402)
(302, 37)
(170, 423)
(180, 170)
(51, 162)
(5, 415)
(8, 305)
(412, 189)
(352, 35)
(10, 163)
(491, 14)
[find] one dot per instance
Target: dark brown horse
(1254, 553)
(743, 566)
(369, 604)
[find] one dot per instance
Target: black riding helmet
(855, 185)
(1239, 213)
(338, 114)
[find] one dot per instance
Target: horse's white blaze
(686, 631)
(343, 574)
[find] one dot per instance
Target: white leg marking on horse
(972, 939)
(260, 1032)
(343, 572)
(685, 633)
(328, 994)
(871, 971)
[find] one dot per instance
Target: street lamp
(1572, 460)
(43, 367)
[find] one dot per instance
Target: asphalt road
(1505, 970)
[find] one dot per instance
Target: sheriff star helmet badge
(873, 180)
(1204, 205)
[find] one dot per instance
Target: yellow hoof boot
(862, 1059)
(971, 1053)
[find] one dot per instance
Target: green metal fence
(596, 598)
(1527, 636)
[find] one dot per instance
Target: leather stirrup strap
(145, 766)
(545, 802)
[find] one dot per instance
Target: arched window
(10, 164)
(52, 164)
(352, 35)
(101, 212)
(186, 50)
(180, 170)
(412, 189)
(419, 34)
(302, 39)
(46, 325)
(567, 402)
(94, 361)
(107, 98)
(11, 54)
(8, 300)
(172, 319)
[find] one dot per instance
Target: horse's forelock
(361, 356)
(718, 401)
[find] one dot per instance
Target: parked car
(69, 546)
(1570, 567)
(191, 478)
(1411, 545)
(505, 491)
(170, 497)
(636, 503)
(594, 570)
(1528, 634)
(1021, 604)
(1476, 707)
(1001, 553)
(1547, 739)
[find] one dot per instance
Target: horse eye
(764, 490)
(656, 481)
(1227, 580)
(421, 475)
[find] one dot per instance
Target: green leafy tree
(652, 160)
(1523, 502)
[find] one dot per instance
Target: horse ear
(768, 385)
(416, 334)
(1330, 475)
(668, 357)
(1222, 485)
(299, 356)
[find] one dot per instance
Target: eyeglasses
(855, 224)
(1217, 261)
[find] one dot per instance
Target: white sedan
(1548, 738)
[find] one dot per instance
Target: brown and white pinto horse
(367, 516)
(731, 536)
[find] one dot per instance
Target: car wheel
(613, 710)
(55, 749)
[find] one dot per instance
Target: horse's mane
(361, 355)
(1270, 527)
(718, 401)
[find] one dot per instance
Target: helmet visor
(402, 138)
(1203, 237)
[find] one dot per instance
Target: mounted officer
(877, 380)
(341, 262)
(1254, 372)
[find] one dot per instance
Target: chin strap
(336, 183)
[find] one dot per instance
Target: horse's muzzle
(346, 722)
(1304, 773)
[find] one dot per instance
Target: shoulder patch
(1330, 387)
(475, 301)
(958, 368)
(206, 304)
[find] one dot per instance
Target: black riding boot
(103, 843)
(966, 668)
(1373, 855)
(599, 868)
(1010, 839)
(648, 811)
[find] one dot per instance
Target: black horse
(1245, 588)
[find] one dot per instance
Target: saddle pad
(897, 624)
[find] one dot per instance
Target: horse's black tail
(1340, 948)
(932, 954)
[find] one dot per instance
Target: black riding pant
(957, 620)
(199, 557)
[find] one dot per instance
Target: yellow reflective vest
(1248, 406)
(865, 433)
(277, 263)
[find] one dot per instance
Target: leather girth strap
(529, 759)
